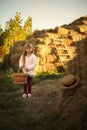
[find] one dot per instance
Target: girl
(27, 63)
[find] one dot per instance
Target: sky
(46, 14)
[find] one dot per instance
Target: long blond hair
(25, 53)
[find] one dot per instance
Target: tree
(14, 32)
(1, 30)
(14, 28)
(1, 36)
(27, 29)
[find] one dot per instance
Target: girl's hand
(26, 69)
(20, 67)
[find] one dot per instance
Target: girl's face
(28, 50)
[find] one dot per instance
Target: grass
(47, 76)
(35, 113)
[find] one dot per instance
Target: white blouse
(30, 63)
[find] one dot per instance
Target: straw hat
(70, 81)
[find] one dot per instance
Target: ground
(35, 113)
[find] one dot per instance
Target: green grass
(8, 94)
(23, 114)
(47, 76)
(9, 91)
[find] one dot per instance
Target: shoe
(29, 95)
(24, 95)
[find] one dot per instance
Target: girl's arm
(32, 66)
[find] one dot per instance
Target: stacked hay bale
(16, 52)
(45, 48)
(79, 63)
(72, 104)
(45, 56)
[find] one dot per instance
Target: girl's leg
(29, 84)
(25, 88)
(25, 91)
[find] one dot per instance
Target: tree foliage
(28, 26)
(14, 32)
(1, 36)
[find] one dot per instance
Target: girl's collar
(28, 55)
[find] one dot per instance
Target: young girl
(27, 63)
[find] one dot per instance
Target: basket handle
(19, 70)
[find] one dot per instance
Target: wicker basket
(20, 78)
